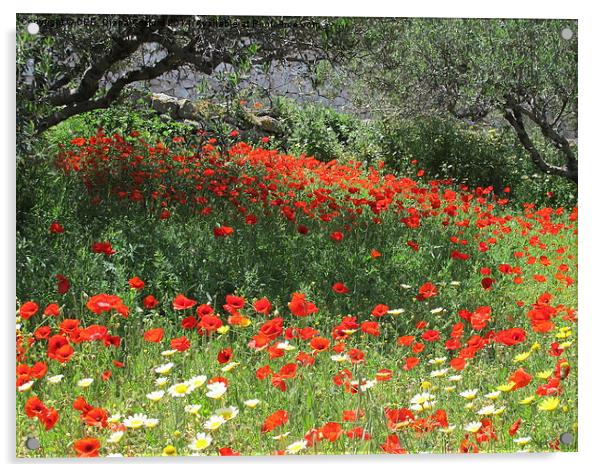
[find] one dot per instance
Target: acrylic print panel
(259, 236)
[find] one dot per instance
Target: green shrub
(470, 155)
(315, 130)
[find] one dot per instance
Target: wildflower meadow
(214, 292)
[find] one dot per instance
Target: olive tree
(80, 63)
(521, 72)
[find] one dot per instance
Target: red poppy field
(190, 298)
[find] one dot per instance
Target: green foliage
(122, 118)
(469, 155)
(315, 130)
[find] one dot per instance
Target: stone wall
(288, 81)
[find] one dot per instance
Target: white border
(590, 26)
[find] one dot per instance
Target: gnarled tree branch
(514, 115)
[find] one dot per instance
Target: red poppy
(340, 287)
(182, 303)
(356, 356)
(52, 309)
(301, 307)
(331, 431)
(431, 335)
(103, 247)
(370, 327)
(210, 323)
(34, 407)
(263, 306)
(336, 236)
(358, 433)
(234, 303)
(103, 303)
(225, 355)
(380, 310)
(189, 322)
(319, 344)
(87, 447)
(150, 302)
(228, 451)
(180, 344)
(410, 363)
(56, 227)
(276, 419)
(413, 245)
(510, 337)
(204, 309)
(520, 378)
(59, 349)
(487, 283)
(136, 283)
(63, 284)
(38, 370)
(405, 340)
(43, 332)
(95, 417)
(353, 415)
(223, 231)
(154, 335)
(28, 309)
(427, 290)
(392, 445)
(49, 418)
(514, 427)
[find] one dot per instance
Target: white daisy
(84, 383)
(296, 447)
(200, 442)
(396, 312)
(469, 394)
(252, 403)
(231, 365)
(487, 410)
(437, 360)
(227, 413)
(164, 368)
(156, 395)
(26, 386)
(135, 422)
(285, 346)
(114, 418)
(473, 427)
(115, 437)
(151, 422)
(55, 379)
(197, 381)
(439, 373)
(214, 422)
(522, 441)
(339, 357)
(180, 389)
(192, 409)
(216, 389)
